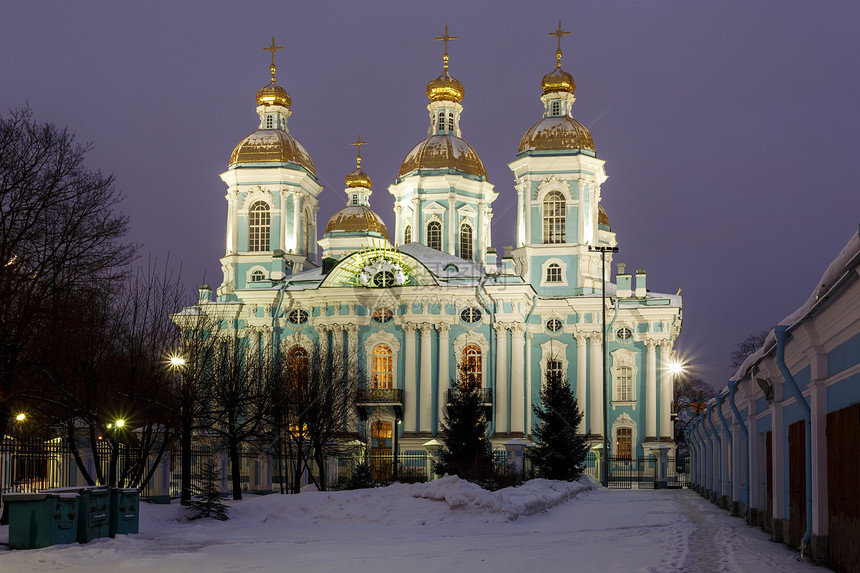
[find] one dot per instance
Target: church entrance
(381, 452)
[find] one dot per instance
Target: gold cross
(358, 143)
(446, 38)
(558, 33)
(273, 48)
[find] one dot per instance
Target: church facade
(410, 309)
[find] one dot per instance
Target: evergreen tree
(561, 451)
(467, 453)
(207, 499)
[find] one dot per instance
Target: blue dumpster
(94, 510)
(41, 519)
(124, 511)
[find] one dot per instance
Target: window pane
(465, 241)
(258, 227)
(434, 235)
(554, 207)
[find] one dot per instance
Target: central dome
(556, 133)
(357, 219)
(272, 146)
(443, 153)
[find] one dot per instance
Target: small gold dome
(554, 133)
(272, 146)
(273, 94)
(602, 217)
(558, 80)
(445, 88)
(443, 153)
(357, 219)
(358, 178)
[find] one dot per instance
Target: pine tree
(467, 453)
(561, 451)
(207, 499)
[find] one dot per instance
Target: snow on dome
(443, 153)
(272, 146)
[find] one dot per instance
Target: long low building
(780, 444)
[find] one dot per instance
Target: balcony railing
(380, 396)
(486, 399)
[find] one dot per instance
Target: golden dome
(273, 94)
(602, 217)
(358, 178)
(272, 146)
(443, 153)
(357, 219)
(552, 133)
(445, 88)
(558, 80)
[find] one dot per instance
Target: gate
(622, 472)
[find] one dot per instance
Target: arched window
(466, 241)
(556, 108)
(258, 276)
(259, 221)
(270, 122)
(434, 235)
(383, 367)
(554, 207)
(553, 273)
(624, 443)
(297, 367)
(624, 384)
(451, 121)
(440, 123)
(407, 234)
(471, 366)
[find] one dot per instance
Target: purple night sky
(730, 129)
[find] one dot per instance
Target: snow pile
(532, 497)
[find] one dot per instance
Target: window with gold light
(624, 443)
(434, 235)
(383, 367)
(466, 241)
(297, 367)
(471, 367)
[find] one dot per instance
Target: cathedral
(411, 308)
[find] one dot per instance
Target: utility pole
(604, 468)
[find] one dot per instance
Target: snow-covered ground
(446, 525)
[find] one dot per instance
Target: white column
(778, 470)
(398, 225)
(596, 385)
(426, 397)
(268, 341)
(527, 210)
(452, 224)
(282, 196)
(529, 383)
(517, 378)
(417, 232)
(818, 434)
(297, 234)
(650, 390)
(352, 354)
(581, 373)
(337, 351)
(444, 375)
(232, 221)
(666, 391)
(501, 396)
(323, 330)
(410, 414)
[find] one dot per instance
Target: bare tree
(59, 230)
(691, 395)
(747, 346)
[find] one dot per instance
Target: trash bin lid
(24, 497)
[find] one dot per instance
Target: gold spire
(445, 87)
(273, 94)
(274, 48)
(358, 178)
(558, 80)
(557, 33)
(445, 39)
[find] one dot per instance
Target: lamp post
(604, 470)
(19, 420)
(115, 426)
(176, 364)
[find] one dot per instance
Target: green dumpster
(41, 519)
(124, 511)
(94, 506)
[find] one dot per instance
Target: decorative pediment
(434, 208)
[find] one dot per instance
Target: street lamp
(604, 470)
(115, 426)
(19, 420)
(176, 363)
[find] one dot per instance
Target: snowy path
(413, 529)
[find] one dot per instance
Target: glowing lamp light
(676, 367)
(120, 423)
(21, 417)
(176, 361)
